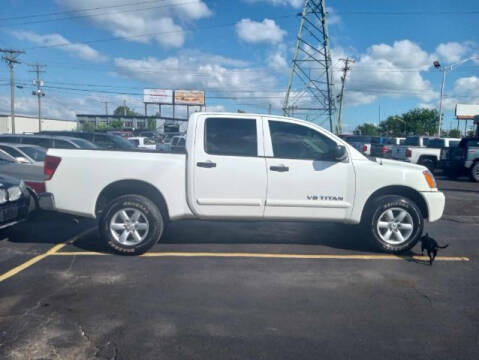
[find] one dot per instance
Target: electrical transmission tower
(10, 58)
(310, 89)
(38, 92)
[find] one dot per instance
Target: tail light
(365, 148)
(384, 149)
(38, 187)
(51, 164)
(408, 153)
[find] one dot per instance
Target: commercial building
(29, 124)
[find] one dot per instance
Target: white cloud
(79, 50)
(276, 59)
(453, 52)
(202, 71)
(333, 17)
(293, 3)
(143, 22)
(266, 31)
(386, 70)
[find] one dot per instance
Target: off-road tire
(474, 174)
(372, 217)
(148, 209)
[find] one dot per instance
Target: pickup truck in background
(382, 146)
(428, 153)
(462, 159)
(243, 167)
(362, 143)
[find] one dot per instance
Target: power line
(78, 10)
(101, 14)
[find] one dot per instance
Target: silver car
(24, 153)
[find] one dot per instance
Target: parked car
(143, 142)
(26, 154)
(398, 152)
(428, 155)
(462, 159)
(362, 143)
(48, 141)
(166, 143)
(178, 144)
(243, 166)
(15, 201)
(100, 139)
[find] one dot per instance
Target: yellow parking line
(274, 256)
(51, 251)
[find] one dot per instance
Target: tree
(125, 110)
(367, 129)
(151, 124)
(418, 121)
(453, 133)
(87, 126)
(116, 124)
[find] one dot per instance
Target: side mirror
(340, 153)
(22, 160)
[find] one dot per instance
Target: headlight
(430, 179)
(3, 196)
(14, 193)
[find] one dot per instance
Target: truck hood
(398, 164)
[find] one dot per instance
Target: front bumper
(14, 212)
(46, 201)
(436, 202)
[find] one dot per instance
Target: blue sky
(231, 47)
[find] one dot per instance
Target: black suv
(102, 140)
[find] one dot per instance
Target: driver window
(292, 141)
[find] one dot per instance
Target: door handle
(280, 168)
(206, 164)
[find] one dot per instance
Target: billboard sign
(157, 96)
(189, 97)
(466, 111)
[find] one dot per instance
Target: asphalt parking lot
(241, 290)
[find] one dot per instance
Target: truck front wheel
(393, 223)
(475, 172)
(132, 224)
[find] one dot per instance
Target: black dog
(431, 246)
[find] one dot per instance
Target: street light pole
(445, 69)
(440, 101)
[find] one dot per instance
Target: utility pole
(106, 107)
(269, 108)
(124, 107)
(10, 58)
(38, 92)
(345, 69)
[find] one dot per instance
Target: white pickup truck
(243, 167)
(423, 150)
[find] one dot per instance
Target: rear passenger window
(104, 142)
(45, 143)
(233, 137)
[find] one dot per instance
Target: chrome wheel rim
(129, 226)
(395, 226)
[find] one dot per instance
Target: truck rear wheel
(132, 224)
(475, 172)
(394, 223)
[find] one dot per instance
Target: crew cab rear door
(228, 168)
(304, 179)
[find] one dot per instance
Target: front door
(229, 168)
(304, 180)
